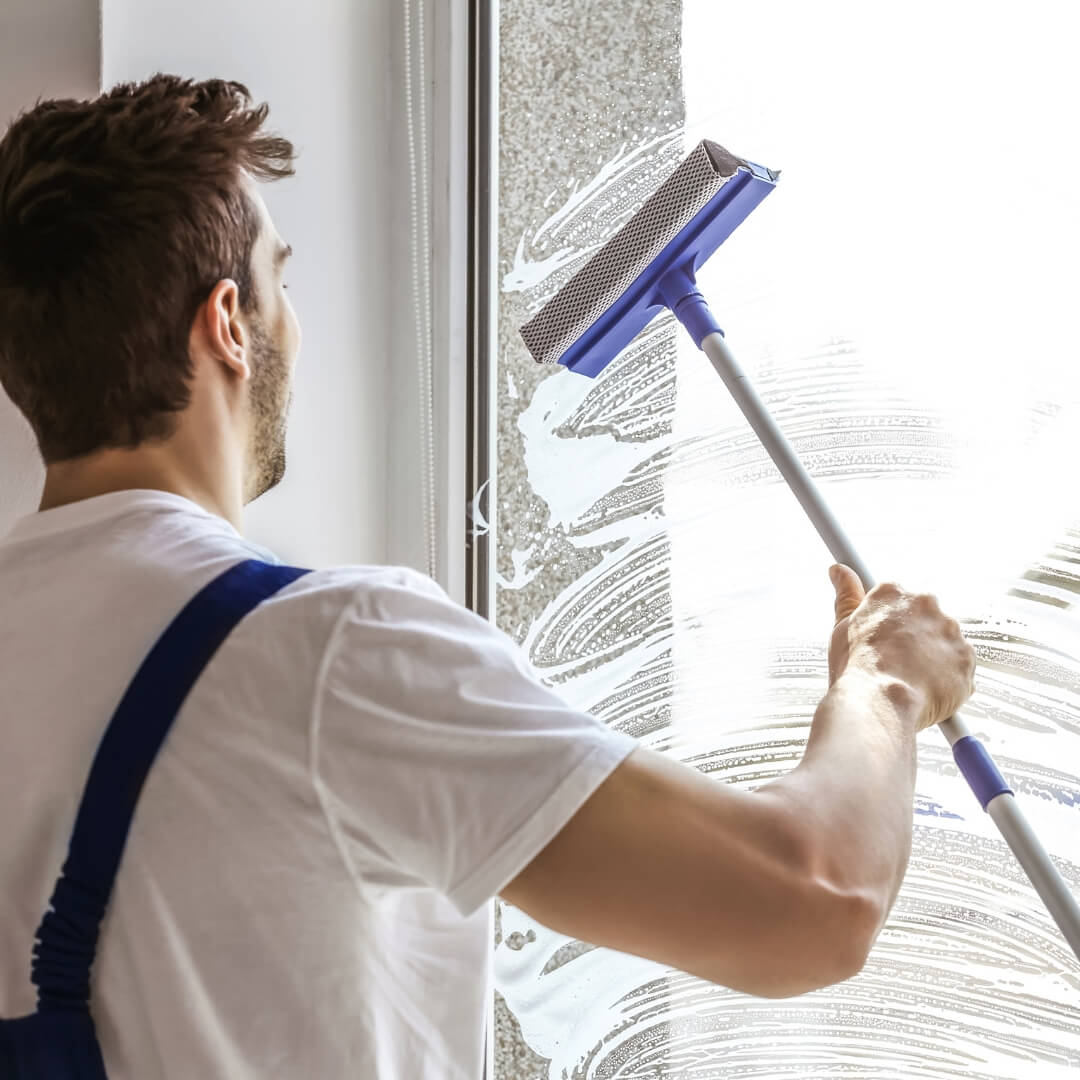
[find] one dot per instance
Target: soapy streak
(969, 978)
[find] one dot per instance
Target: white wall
(48, 48)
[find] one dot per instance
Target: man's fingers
(849, 590)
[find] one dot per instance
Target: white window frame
(463, 199)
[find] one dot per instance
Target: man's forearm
(854, 787)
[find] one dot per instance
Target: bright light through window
(905, 303)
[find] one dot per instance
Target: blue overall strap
(59, 1041)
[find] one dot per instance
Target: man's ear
(224, 331)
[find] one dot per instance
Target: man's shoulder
(337, 587)
(356, 615)
(318, 613)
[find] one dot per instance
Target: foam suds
(710, 588)
(667, 580)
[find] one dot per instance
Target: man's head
(141, 281)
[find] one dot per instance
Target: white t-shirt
(305, 888)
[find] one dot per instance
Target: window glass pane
(903, 302)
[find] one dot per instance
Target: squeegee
(649, 266)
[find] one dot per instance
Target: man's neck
(120, 470)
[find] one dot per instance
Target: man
(364, 764)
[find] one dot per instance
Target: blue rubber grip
(694, 314)
(975, 762)
(679, 292)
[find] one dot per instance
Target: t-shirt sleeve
(440, 757)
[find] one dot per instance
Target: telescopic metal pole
(971, 756)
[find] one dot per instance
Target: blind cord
(421, 270)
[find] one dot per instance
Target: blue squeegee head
(616, 294)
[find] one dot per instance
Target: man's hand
(893, 634)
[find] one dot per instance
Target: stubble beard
(270, 399)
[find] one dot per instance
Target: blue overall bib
(58, 1041)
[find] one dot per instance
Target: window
(904, 302)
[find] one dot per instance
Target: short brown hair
(117, 218)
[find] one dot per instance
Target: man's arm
(743, 888)
(782, 890)
(855, 785)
